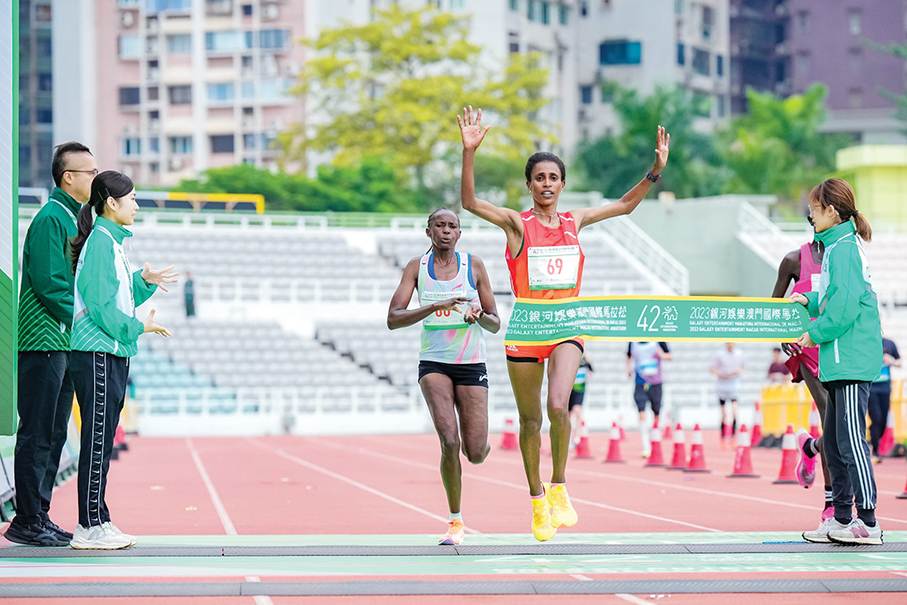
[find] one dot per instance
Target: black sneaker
(35, 534)
(48, 524)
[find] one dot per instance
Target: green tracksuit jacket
(848, 329)
(45, 294)
(106, 294)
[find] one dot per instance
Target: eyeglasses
(91, 172)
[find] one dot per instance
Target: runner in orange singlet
(545, 261)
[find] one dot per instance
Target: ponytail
(105, 185)
(863, 228)
(840, 195)
(76, 243)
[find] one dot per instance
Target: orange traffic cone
(655, 457)
(510, 441)
(696, 463)
(679, 461)
(743, 463)
(620, 425)
(668, 434)
(756, 437)
(614, 445)
(886, 443)
(814, 421)
(789, 457)
(582, 448)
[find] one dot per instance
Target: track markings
(229, 528)
(523, 488)
(354, 483)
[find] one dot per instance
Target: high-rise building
(786, 46)
(832, 43)
(760, 52)
(185, 85)
(671, 43)
(35, 93)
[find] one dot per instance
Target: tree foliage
(371, 186)
(898, 98)
(777, 148)
(614, 163)
(393, 87)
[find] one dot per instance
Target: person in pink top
(803, 267)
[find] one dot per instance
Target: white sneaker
(118, 532)
(821, 534)
(857, 533)
(97, 537)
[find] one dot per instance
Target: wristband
(652, 177)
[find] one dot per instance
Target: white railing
(379, 409)
(645, 254)
(196, 220)
(762, 235)
(286, 291)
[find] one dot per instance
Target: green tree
(777, 148)
(371, 186)
(899, 99)
(393, 88)
(614, 163)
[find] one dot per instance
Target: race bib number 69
(553, 267)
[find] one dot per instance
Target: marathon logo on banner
(656, 318)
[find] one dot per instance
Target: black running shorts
(466, 374)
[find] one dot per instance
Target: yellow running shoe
(541, 519)
(454, 535)
(562, 513)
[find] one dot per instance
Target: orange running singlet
(548, 265)
(550, 261)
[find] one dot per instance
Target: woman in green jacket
(849, 334)
(104, 336)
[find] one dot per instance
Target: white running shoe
(117, 531)
(857, 533)
(98, 537)
(825, 527)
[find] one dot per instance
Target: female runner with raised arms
(456, 304)
(537, 240)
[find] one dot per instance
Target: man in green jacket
(45, 327)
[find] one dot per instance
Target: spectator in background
(880, 396)
(644, 360)
(727, 366)
(778, 372)
(189, 295)
(45, 322)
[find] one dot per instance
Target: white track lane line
(580, 576)
(699, 490)
(631, 599)
(229, 529)
(523, 488)
(355, 483)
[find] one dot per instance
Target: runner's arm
(632, 198)
(788, 269)
(487, 312)
(398, 316)
(473, 133)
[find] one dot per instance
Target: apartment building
(179, 86)
(670, 43)
(35, 93)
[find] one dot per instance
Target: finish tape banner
(656, 318)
